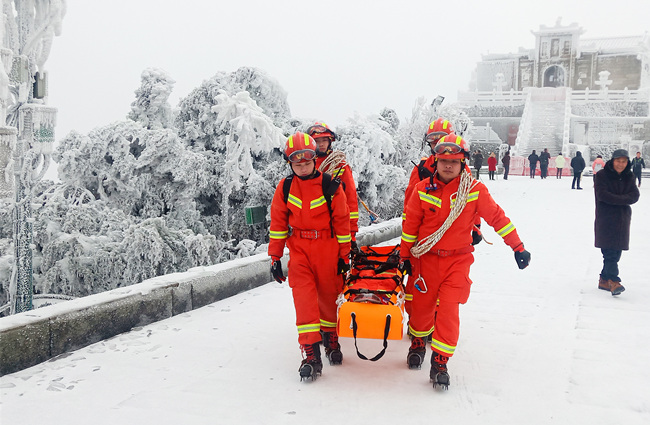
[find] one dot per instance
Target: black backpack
(329, 185)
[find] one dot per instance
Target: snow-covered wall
(32, 337)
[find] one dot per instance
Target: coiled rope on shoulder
(466, 184)
(333, 163)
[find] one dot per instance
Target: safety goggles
(447, 148)
(434, 137)
(302, 155)
(318, 129)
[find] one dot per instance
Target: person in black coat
(478, 162)
(578, 165)
(615, 190)
(544, 158)
(533, 159)
(637, 165)
(506, 165)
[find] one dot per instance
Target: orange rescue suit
(303, 223)
(345, 174)
(443, 273)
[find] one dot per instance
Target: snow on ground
(537, 346)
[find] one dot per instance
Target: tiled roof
(613, 43)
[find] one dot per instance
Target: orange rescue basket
(372, 304)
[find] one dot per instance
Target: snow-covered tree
(369, 149)
(151, 107)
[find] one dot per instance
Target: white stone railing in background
(485, 98)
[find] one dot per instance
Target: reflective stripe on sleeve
(279, 234)
(409, 238)
(354, 215)
(505, 230)
(344, 238)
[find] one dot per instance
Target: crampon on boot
(438, 373)
(311, 366)
(332, 348)
(416, 353)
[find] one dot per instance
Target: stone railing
(32, 337)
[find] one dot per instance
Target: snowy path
(538, 346)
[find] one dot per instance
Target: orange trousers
(445, 280)
(315, 285)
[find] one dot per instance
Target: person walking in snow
(578, 165)
(532, 160)
(440, 217)
(437, 129)
(637, 165)
(615, 191)
(560, 161)
(598, 164)
(544, 159)
(506, 165)
(313, 206)
(492, 165)
(478, 162)
(334, 163)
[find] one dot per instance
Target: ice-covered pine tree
(224, 122)
(369, 149)
(151, 107)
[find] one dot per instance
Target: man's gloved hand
(276, 270)
(522, 258)
(476, 234)
(404, 267)
(342, 267)
(353, 246)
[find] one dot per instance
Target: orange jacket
(306, 209)
(415, 179)
(428, 208)
(350, 191)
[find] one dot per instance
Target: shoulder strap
(286, 186)
(423, 172)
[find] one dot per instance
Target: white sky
(537, 346)
(332, 57)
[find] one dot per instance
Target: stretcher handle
(386, 331)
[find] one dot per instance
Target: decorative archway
(554, 76)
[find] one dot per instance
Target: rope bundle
(466, 183)
(333, 162)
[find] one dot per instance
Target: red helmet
(320, 129)
(437, 129)
(300, 148)
(451, 147)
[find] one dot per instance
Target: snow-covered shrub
(151, 107)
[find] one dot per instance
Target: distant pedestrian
(506, 165)
(598, 164)
(637, 165)
(544, 158)
(533, 159)
(615, 191)
(492, 165)
(559, 165)
(478, 162)
(578, 165)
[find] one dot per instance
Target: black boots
(332, 347)
(311, 365)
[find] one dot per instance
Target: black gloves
(353, 246)
(342, 267)
(276, 270)
(522, 258)
(404, 267)
(476, 237)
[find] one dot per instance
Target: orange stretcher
(372, 303)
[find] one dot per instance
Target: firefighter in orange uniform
(335, 164)
(425, 169)
(313, 219)
(439, 218)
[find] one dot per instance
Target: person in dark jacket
(615, 191)
(478, 162)
(533, 159)
(544, 158)
(578, 165)
(637, 164)
(506, 165)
